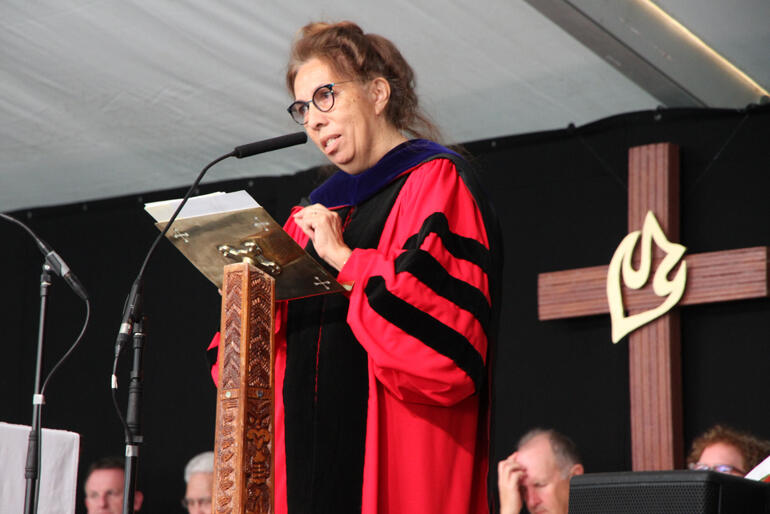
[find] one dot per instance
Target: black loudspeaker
(670, 492)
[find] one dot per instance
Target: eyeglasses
(187, 503)
(323, 99)
(719, 468)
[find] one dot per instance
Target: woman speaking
(381, 394)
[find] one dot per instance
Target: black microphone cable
(53, 263)
(132, 305)
(74, 284)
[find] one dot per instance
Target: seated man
(538, 473)
(104, 487)
(199, 476)
(728, 451)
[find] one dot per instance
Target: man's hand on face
(510, 477)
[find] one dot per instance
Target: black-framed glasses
(323, 99)
(719, 468)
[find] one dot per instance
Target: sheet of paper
(201, 205)
(761, 472)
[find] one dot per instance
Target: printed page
(212, 203)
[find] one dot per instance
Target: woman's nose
(314, 117)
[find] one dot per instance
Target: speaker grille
(670, 492)
(648, 498)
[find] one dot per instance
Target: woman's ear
(379, 89)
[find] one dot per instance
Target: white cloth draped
(58, 474)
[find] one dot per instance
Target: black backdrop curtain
(562, 200)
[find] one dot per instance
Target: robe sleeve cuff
(353, 269)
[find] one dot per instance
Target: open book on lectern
(224, 228)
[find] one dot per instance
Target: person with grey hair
(199, 476)
(538, 473)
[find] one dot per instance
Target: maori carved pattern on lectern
(226, 446)
(245, 409)
(258, 451)
(229, 377)
(258, 444)
(259, 324)
(230, 372)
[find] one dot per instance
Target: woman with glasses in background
(726, 450)
(382, 404)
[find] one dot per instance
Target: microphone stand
(134, 436)
(56, 265)
(131, 324)
(131, 328)
(32, 470)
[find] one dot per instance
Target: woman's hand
(324, 228)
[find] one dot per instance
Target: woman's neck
(388, 139)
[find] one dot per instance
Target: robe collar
(342, 189)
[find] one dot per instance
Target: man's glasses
(187, 503)
(719, 468)
(323, 99)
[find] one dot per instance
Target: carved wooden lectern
(212, 231)
(243, 448)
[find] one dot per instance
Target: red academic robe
(420, 307)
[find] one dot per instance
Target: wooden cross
(655, 373)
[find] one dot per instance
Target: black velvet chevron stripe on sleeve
(460, 247)
(425, 268)
(427, 329)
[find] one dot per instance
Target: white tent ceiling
(102, 98)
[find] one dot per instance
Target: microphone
(53, 263)
(134, 301)
(57, 264)
(133, 318)
(268, 145)
(53, 260)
